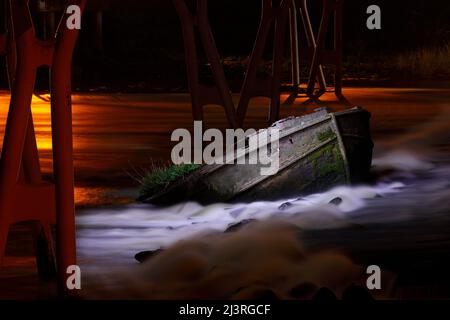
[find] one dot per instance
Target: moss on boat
(316, 151)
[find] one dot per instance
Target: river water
(115, 134)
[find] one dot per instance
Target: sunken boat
(316, 152)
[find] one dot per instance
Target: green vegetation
(160, 178)
(328, 160)
(326, 135)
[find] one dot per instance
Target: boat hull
(316, 152)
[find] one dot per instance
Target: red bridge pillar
(268, 86)
(24, 195)
(317, 54)
(332, 11)
(202, 94)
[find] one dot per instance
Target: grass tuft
(161, 177)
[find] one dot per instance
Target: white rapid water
(123, 232)
(200, 261)
(117, 234)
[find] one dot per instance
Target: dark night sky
(406, 24)
(143, 42)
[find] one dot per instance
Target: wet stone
(146, 255)
(285, 206)
(237, 226)
(336, 201)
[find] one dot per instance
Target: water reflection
(410, 128)
(115, 130)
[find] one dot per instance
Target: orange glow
(42, 121)
(115, 130)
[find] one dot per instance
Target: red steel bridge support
(332, 10)
(267, 86)
(202, 94)
(283, 16)
(24, 194)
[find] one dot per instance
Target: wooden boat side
(354, 126)
(313, 149)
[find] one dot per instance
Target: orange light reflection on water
(111, 132)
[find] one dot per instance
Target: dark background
(142, 48)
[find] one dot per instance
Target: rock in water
(336, 201)
(146, 255)
(238, 226)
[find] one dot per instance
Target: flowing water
(114, 134)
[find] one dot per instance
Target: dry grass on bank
(424, 62)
